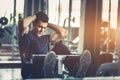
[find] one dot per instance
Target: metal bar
(69, 22)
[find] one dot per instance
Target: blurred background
(92, 25)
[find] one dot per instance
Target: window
(7, 9)
(59, 12)
(109, 12)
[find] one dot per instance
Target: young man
(33, 41)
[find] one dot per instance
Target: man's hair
(40, 16)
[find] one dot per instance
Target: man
(33, 41)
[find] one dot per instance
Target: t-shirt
(31, 44)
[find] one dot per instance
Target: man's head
(40, 23)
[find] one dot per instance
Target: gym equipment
(105, 58)
(109, 69)
(3, 20)
(2, 33)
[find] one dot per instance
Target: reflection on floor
(14, 74)
(10, 74)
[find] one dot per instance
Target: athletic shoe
(49, 64)
(84, 63)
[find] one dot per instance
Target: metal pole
(59, 12)
(69, 22)
(14, 29)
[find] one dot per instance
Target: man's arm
(60, 32)
(24, 23)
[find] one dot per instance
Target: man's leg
(49, 64)
(37, 71)
(70, 64)
(26, 71)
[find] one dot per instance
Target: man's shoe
(84, 63)
(49, 64)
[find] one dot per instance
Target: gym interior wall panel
(92, 28)
(28, 8)
(92, 25)
(33, 6)
(36, 5)
(118, 32)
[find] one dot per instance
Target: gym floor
(10, 74)
(14, 74)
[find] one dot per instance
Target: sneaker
(84, 63)
(49, 64)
